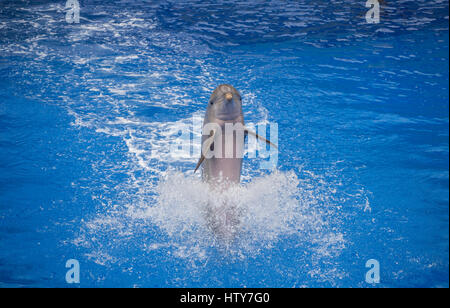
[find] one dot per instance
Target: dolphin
(223, 137)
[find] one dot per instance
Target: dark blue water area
(88, 113)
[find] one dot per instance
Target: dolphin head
(225, 104)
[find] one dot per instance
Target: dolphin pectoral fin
(260, 138)
(205, 148)
(200, 161)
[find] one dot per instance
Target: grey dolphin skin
(223, 137)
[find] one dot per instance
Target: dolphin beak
(228, 96)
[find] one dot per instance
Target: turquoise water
(90, 111)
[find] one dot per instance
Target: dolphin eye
(211, 103)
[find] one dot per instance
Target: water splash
(196, 222)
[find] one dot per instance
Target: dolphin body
(223, 135)
(224, 109)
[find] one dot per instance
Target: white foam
(265, 211)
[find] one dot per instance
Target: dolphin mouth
(225, 116)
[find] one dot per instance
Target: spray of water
(240, 221)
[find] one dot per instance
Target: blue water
(89, 111)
